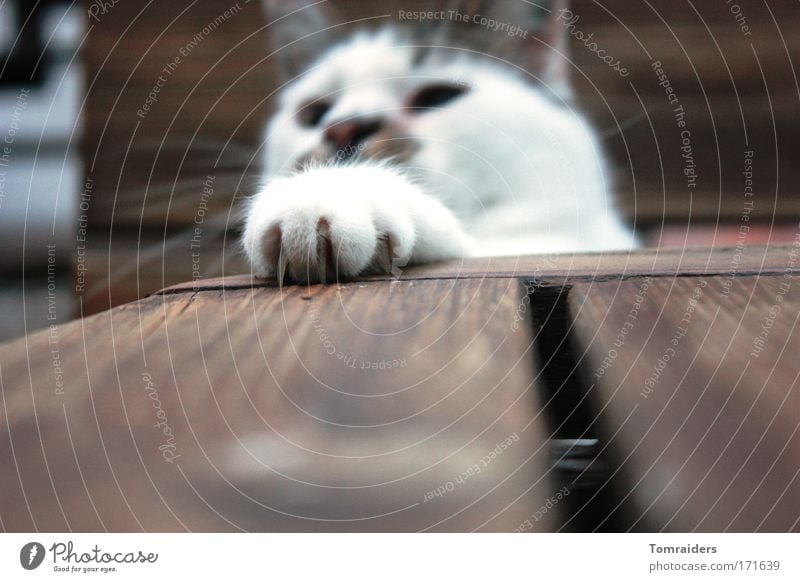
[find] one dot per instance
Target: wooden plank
(565, 269)
(361, 407)
(679, 236)
(697, 392)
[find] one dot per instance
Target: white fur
(505, 163)
(361, 206)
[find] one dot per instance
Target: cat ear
(299, 31)
(529, 33)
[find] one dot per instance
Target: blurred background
(127, 125)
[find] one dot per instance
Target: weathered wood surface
(344, 407)
(696, 389)
(565, 269)
(330, 408)
(130, 267)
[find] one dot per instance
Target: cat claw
(321, 264)
(283, 263)
(324, 253)
(386, 259)
(385, 256)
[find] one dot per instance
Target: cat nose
(351, 132)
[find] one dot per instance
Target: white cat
(397, 146)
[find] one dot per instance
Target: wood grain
(361, 407)
(696, 387)
(564, 269)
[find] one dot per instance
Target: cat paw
(309, 240)
(333, 223)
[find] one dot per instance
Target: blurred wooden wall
(738, 88)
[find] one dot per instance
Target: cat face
(473, 124)
(364, 95)
(369, 98)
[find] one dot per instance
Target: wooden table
(646, 391)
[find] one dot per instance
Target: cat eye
(436, 96)
(312, 113)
